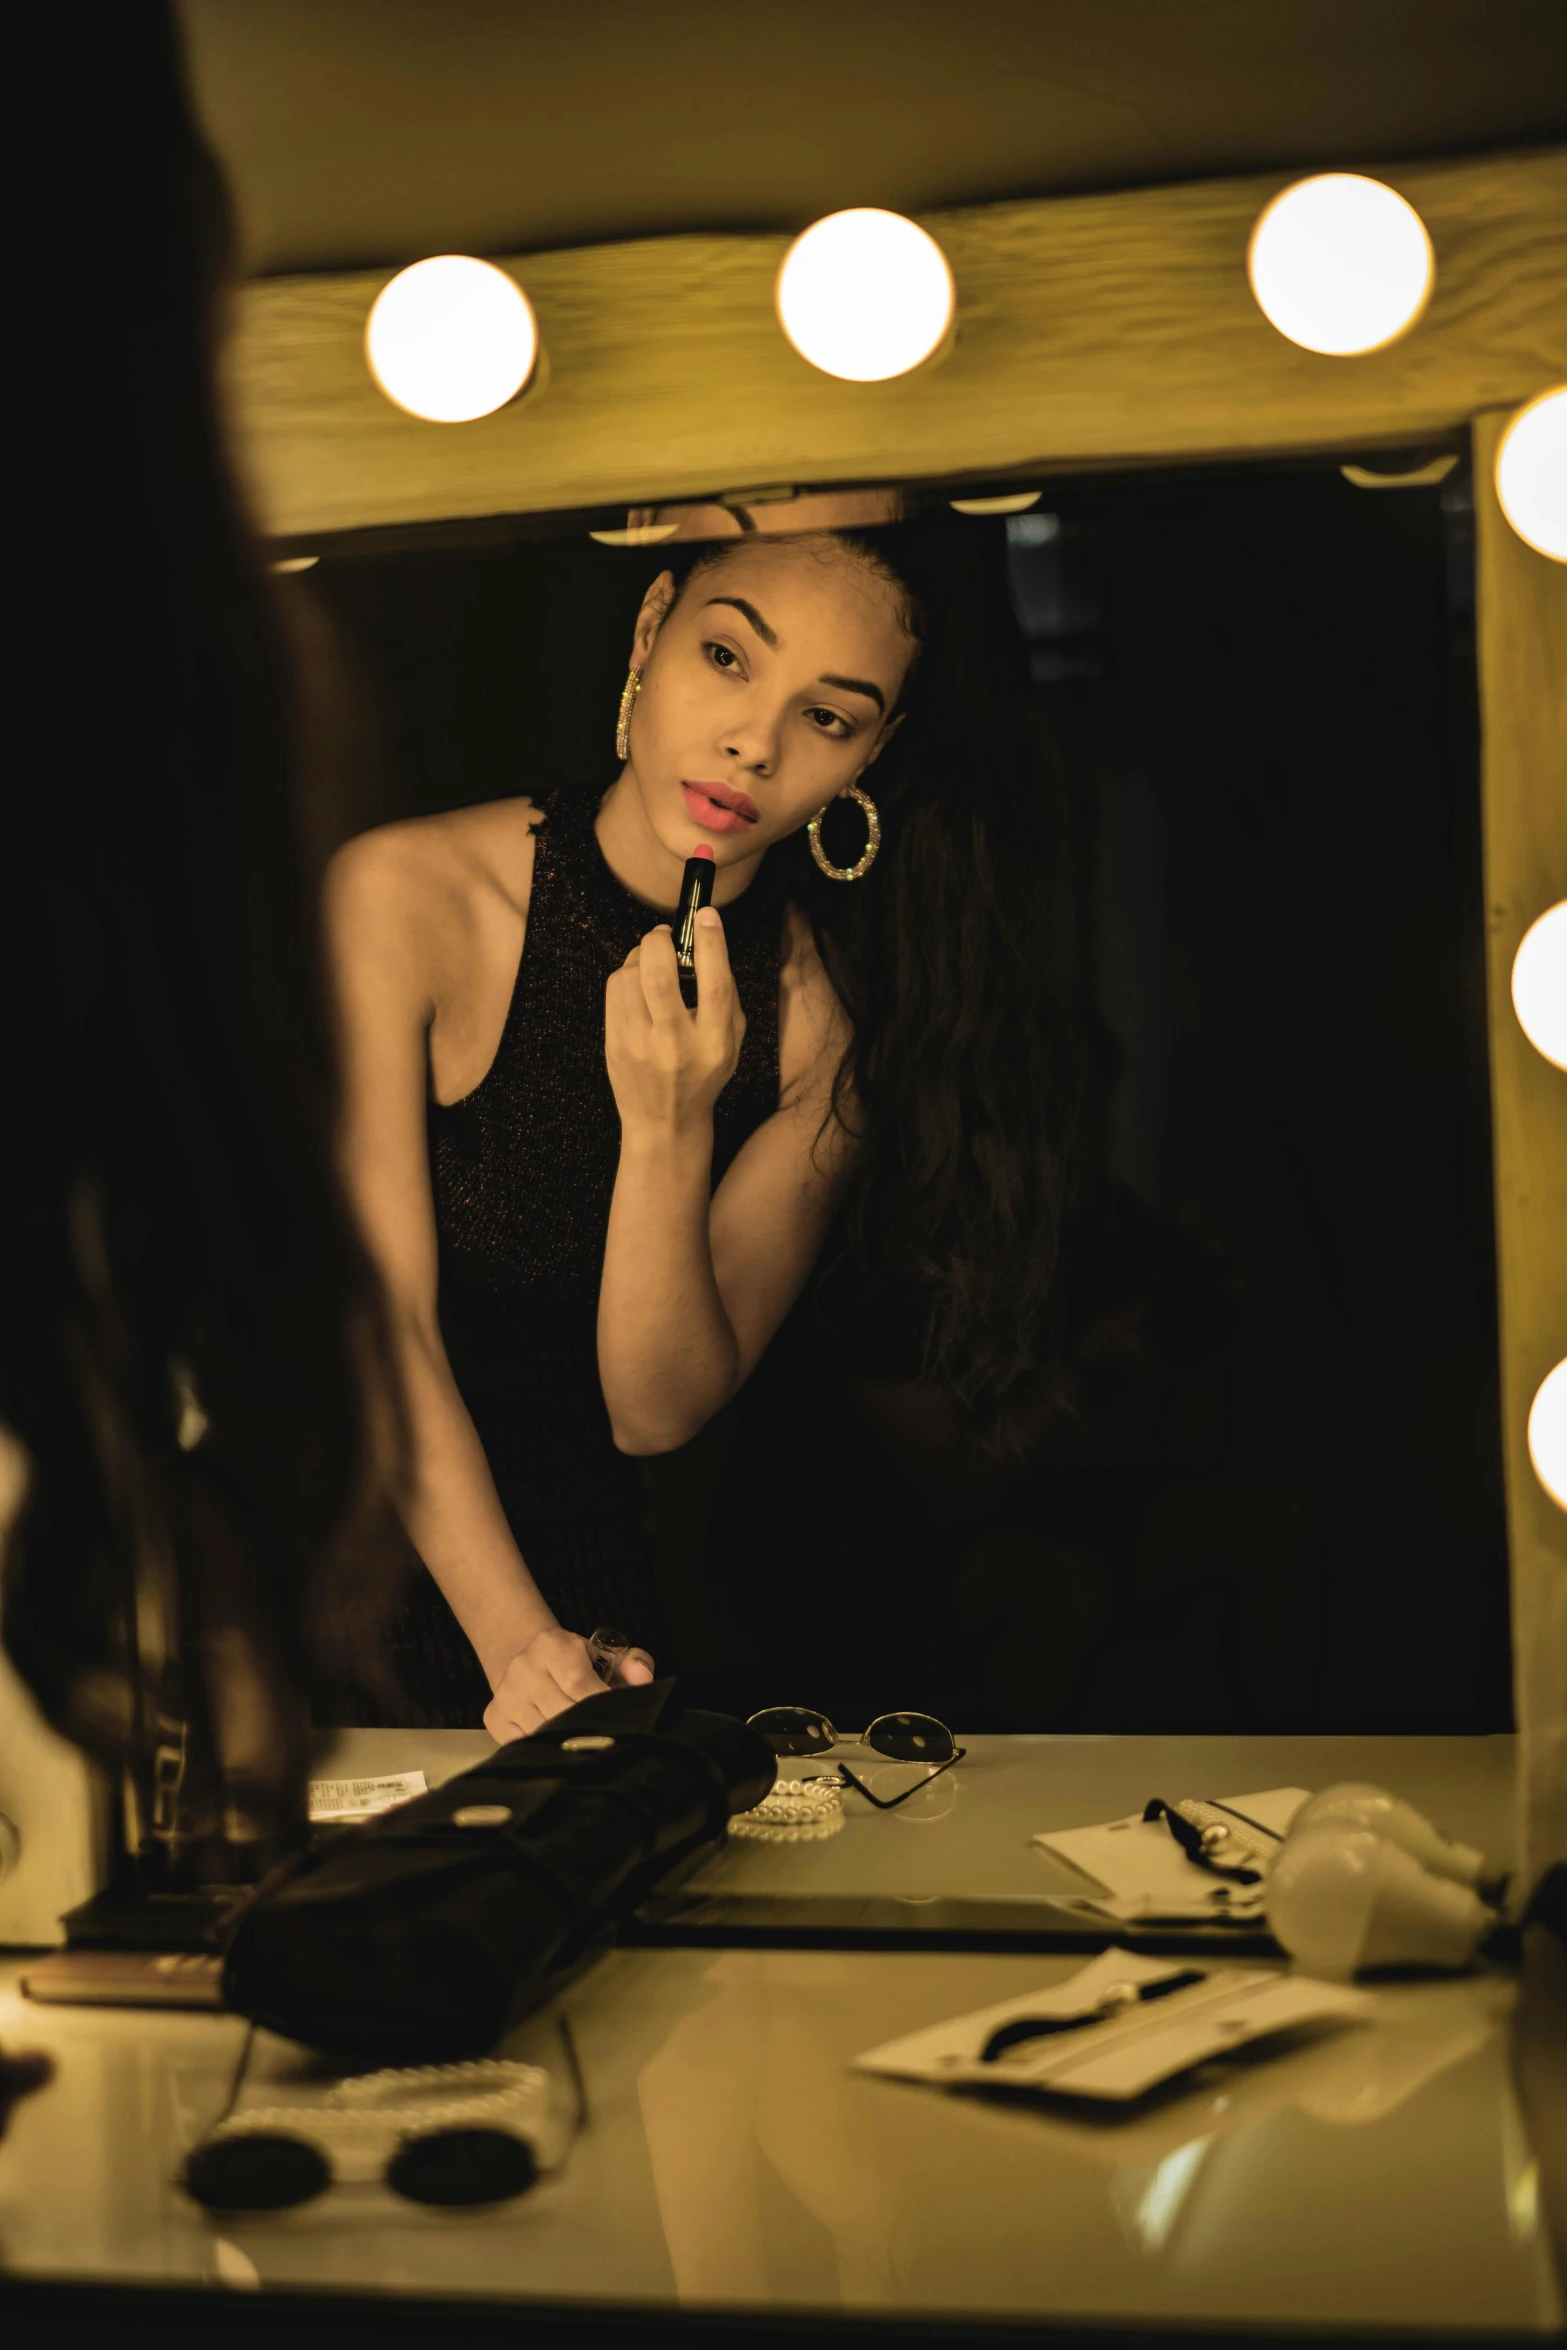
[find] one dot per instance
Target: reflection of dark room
(1279, 1503)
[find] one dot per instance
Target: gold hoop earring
(623, 722)
(867, 857)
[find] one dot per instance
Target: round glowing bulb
(865, 295)
(451, 338)
(1016, 502)
(1548, 1434)
(1540, 984)
(1531, 474)
(1340, 263)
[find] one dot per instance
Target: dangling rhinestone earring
(623, 722)
(867, 858)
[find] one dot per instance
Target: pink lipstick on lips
(719, 807)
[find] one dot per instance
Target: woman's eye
(722, 658)
(827, 721)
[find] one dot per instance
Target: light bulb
(1531, 473)
(1548, 1434)
(865, 295)
(451, 339)
(1353, 1803)
(1340, 1899)
(1540, 984)
(1015, 502)
(1340, 263)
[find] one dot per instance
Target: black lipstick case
(696, 891)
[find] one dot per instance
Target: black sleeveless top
(523, 1169)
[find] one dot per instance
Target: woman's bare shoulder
(433, 873)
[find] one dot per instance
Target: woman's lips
(733, 813)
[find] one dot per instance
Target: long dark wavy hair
(964, 1073)
(189, 1324)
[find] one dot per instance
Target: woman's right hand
(553, 1672)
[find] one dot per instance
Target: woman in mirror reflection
(593, 1207)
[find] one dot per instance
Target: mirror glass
(1267, 1493)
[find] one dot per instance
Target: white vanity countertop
(1381, 2175)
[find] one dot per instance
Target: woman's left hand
(667, 1065)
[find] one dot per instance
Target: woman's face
(767, 688)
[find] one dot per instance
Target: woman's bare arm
(695, 1284)
(396, 924)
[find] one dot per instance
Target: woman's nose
(753, 744)
(756, 758)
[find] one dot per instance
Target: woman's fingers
(571, 1669)
(553, 1672)
(509, 1715)
(715, 986)
(660, 976)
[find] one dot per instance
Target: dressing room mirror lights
(865, 295)
(1540, 984)
(451, 339)
(1531, 476)
(1341, 264)
(1548, 1434)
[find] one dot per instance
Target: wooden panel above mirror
(1092, 331)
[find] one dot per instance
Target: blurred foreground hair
(190, 1344)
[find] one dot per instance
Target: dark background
(1279, 1505)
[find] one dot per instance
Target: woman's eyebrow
(769, 636)
(858, 685)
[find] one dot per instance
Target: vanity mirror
(1261, 1482)
(1285, 747)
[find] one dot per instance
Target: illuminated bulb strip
(865, 295)
(1531, 474)
(1540, 984)
(1017, 502)
(1548, 1434)
(1341, 264)
(451, 339)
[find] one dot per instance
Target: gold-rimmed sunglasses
(904, 1737)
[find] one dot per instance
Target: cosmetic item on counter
(1113, 2030)
(423, 1933)
(696, 891)
(1193, 1861)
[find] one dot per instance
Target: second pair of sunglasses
(901, 1737)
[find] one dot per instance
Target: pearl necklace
(797, 1811)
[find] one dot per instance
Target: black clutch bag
(419, 1936)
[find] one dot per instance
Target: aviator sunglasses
(919, 1738)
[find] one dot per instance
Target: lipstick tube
(696, 891)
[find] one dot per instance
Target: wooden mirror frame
(1094, 333)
